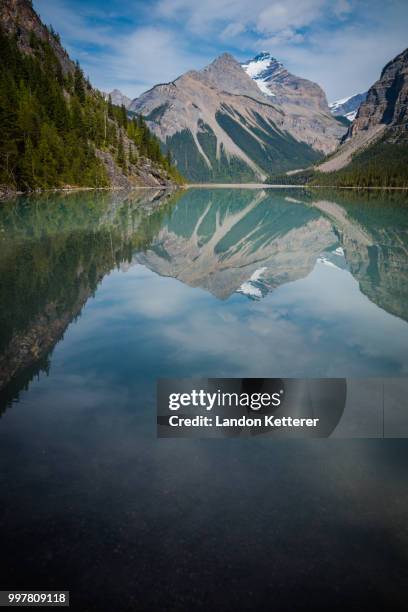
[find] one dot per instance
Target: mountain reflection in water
(103, 293)
(238, 245)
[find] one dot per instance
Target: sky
(132, 45)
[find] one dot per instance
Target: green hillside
(53, 124)
(384, 164)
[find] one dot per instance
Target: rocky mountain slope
(348, 107)
(221, 125)
(386, 102)
(18, 18)
(56, 130)
(376, 143)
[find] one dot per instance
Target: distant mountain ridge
(117, 98)
(221, 126)
(348, 107)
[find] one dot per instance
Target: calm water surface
(101, 294)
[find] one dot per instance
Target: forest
(53, 124)
(384, 164)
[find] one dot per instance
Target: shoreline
(270, 186)
(10, 194)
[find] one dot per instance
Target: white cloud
(346, 63)
(262, 15)
(342, 8)
(72, 24)
(232, 29)
(284, 37)
(341, 44)
(133, 62)
(277, 16)
(148, 56)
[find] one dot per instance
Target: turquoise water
(101, 294)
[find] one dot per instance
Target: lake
(104, 292)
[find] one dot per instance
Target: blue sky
(134, 44)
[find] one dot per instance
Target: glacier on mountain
(262, 69)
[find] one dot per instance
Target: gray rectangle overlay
(308, 408)
(26, 598)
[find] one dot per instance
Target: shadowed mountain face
(387, 101)
(56, 250)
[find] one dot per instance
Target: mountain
(118, 98)
(348, 107)
(387, 101)
(375, 148)
(222, 126)
(275, 81)
(56, 130)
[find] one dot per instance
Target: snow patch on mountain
(254, 67)
(351, 116)
(334, 106)
(259, 69)
(253, 288)
(347, 107)
(250, 291)
(334, 259)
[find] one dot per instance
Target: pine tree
(121, 157)
(110, 108)
(124, 117)
(79, 87)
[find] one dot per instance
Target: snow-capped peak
(337, 103)
(258, 64)
(263, 68)
(349, 106)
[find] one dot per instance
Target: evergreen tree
(121, 157)
(110, 108)
(51, 124)
(124, 117)
(79, 87)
